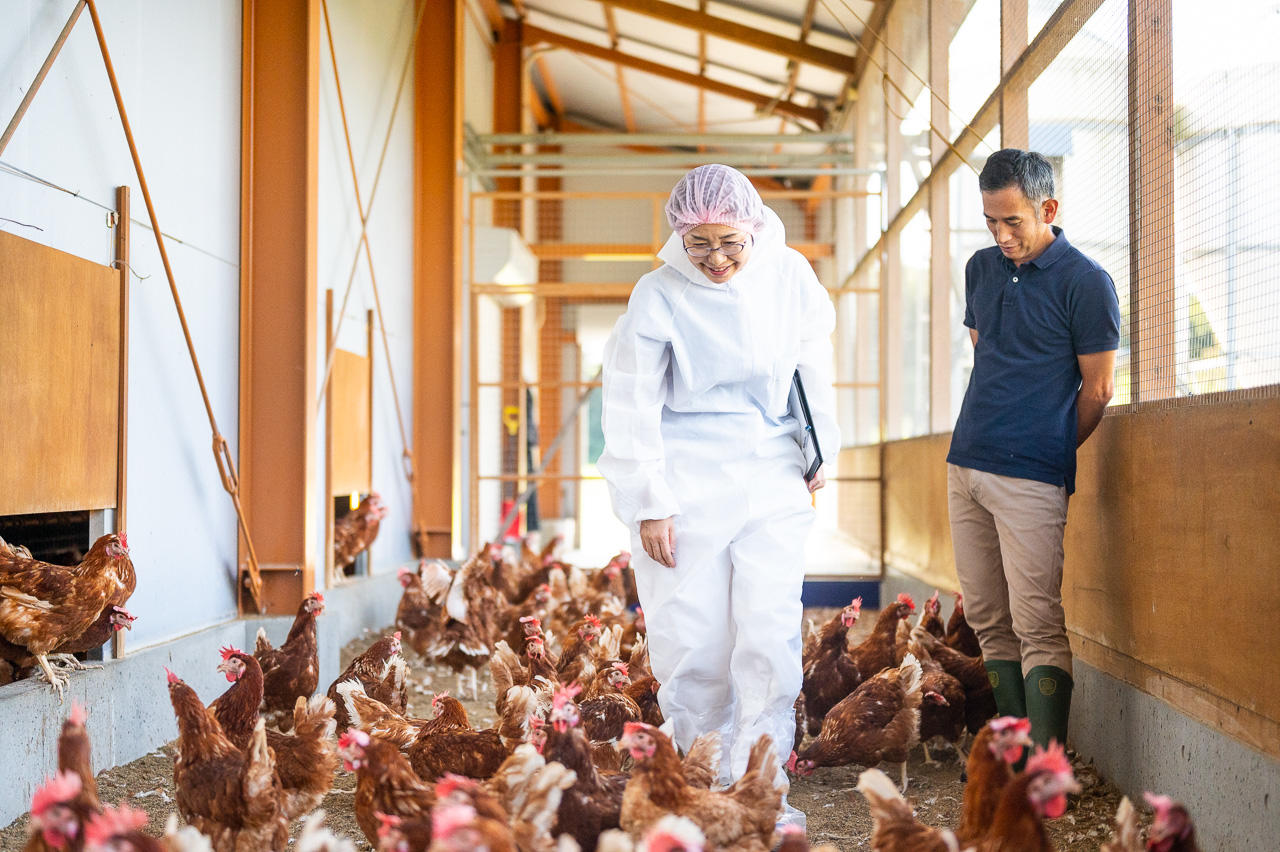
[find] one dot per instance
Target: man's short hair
(1027, 170)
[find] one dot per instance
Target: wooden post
(122, 443)
(1153, 357)
(330, 576)
(1014, 124)
(940, 319)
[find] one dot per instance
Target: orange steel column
(508, 88)
(437, 254)
(552, 337)
(280, 143)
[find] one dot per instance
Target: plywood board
(917, 528)
(1172, 547)
(60, 353)
(1170, 554)
(352, 423)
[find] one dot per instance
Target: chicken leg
(58, 682)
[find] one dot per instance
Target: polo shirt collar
(1056, 250)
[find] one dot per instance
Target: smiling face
(1020, 226)
(717, 266)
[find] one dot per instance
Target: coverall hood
(764, 255)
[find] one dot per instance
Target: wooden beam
(492, 14)
(549, 83)
(1062, 26)
(793, 66)
(611, 24)
(871, 35)
(541, 118)
(628, 113)
(940, 319)
(535, 35)
(730, 30)
(1153, 361)
(1015, 129)
(123, 224)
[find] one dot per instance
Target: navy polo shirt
(1019, 414)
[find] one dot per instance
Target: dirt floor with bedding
(837, 813)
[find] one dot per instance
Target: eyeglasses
(726, 249)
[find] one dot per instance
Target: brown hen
(41, 605)
(291, 671)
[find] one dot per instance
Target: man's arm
(1097, 371)
(973, 335)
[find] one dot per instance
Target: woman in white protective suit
(703, 464)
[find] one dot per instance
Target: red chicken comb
(448, 818)
(124, 540)
(1016, 722)
(565, 695)
(79, 715)
(353, 736)
(450, 782)
(62, 787)
(629, 728)
(1053, 759)
(1159, 804)
(387, 823)
(856, 603)
(905, 598)
(317, 595)
(536, 722)
(622, 667)
(530, 619)
(592, 620)
(173, 678)
(932, 603)
(229, 651)
(113, 821)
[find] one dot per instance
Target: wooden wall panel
(352, 424)
(61, 351)
(917, 529)
(1170, 554)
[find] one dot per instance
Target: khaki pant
(1007, 534)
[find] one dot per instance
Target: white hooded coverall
(696, 377)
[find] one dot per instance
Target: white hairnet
(714, 194)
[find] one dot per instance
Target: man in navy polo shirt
(1045, 325)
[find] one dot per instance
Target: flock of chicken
(576, 758)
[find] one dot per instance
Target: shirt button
(1015, 279)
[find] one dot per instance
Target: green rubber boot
(1048, 698)
(1006, 683)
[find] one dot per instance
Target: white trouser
(724, 624)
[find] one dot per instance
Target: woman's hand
(659, 540)
(819, 478)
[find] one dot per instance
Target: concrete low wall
(1141, 742)
(128, 699)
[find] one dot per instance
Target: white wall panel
(179, 68)
(371, 43)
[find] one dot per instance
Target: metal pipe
(752, 158)
(663, 139)
(798, 171)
